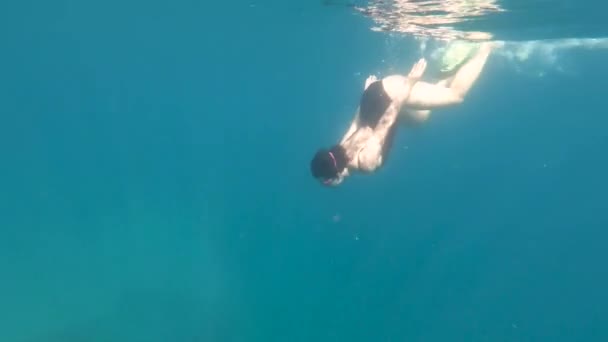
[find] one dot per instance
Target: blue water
(155, 184)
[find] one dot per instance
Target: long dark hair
(322, 164)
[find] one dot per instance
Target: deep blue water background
(155, 185)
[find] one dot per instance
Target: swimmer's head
(328, 165)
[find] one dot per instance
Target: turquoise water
(155, 181)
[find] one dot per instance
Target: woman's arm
(355, 123)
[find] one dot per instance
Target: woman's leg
(449, 92)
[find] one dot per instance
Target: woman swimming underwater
(367, 142)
